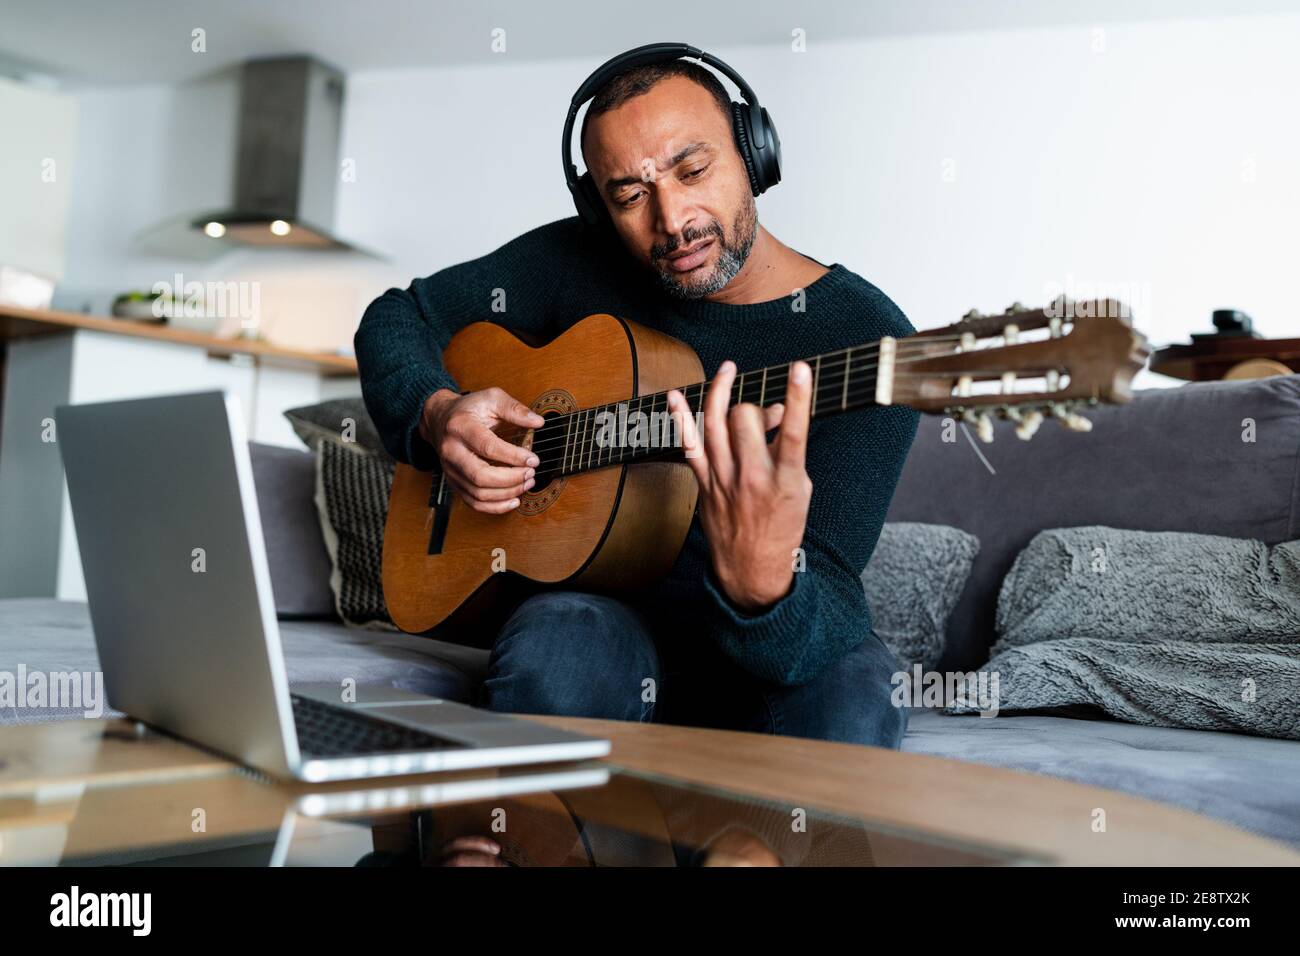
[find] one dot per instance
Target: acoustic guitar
(614, 496)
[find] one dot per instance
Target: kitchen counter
(18, 323)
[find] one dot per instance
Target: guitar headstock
(1023, 364)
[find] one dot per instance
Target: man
(762, 624)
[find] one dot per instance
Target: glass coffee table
(591, 816)
(105, 792)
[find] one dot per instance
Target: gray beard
(730, 261)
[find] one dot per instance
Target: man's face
(675, 186)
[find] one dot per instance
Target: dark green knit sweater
(548, 279)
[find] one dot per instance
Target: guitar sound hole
(549, 483)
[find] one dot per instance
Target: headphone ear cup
(590, 206)
(740, 129)
(769, 166)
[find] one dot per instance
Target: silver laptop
(180, 599)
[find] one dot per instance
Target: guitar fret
(582, 437)
(577, 440)
(581, 446)
(601, 411)
(568, 438)
(589, 438)
(597, 447)
(817, 374)
(844, 396)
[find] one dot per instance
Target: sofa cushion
(1146, 586)
(354, 474)
(1153, 627)
(914, 578)
(1210, 458)
(352, 489)
(285, 479)
(47, 635)
(339, 420)
(1250, 782)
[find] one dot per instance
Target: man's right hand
(487, 471)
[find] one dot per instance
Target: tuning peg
(983, 424)
(1070, 420)
(1027, 422)
(1015, 307)
(972, 314)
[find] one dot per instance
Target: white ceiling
(148, 41)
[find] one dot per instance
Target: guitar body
(609, 529)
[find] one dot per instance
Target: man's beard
(731, 257)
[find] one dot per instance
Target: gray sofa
(1172, 460)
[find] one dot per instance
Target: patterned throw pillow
(353, 478)
(352, 487)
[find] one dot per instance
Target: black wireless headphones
(755, 135)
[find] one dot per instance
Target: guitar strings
(777, 378)
(842, 365)
(585, 450)
(586, 456)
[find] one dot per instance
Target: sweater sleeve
(402, 334)
(854, 461)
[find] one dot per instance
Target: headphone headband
(757, 132)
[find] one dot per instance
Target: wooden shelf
(1209, 359)
(18, 323)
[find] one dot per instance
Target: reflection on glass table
(591, 816)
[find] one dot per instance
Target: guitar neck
(1084, 353)
(641, 428)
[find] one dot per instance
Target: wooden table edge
(954, 799)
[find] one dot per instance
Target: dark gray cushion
(285, 479)
(1148, 586)
(912, 582)
(340, 420)
(1171, 460)
(1152, 627)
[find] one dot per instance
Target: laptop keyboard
(326, 730)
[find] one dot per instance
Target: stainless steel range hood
(287, 161)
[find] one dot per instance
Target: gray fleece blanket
(1157, 628)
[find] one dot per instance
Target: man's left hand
(753, 496)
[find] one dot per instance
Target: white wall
(954, 171)
(36, 167)
(150, 160)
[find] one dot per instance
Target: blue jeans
(586, 655)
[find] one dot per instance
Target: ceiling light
(215, 229)
(280, 227)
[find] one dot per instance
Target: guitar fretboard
(641, 428)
